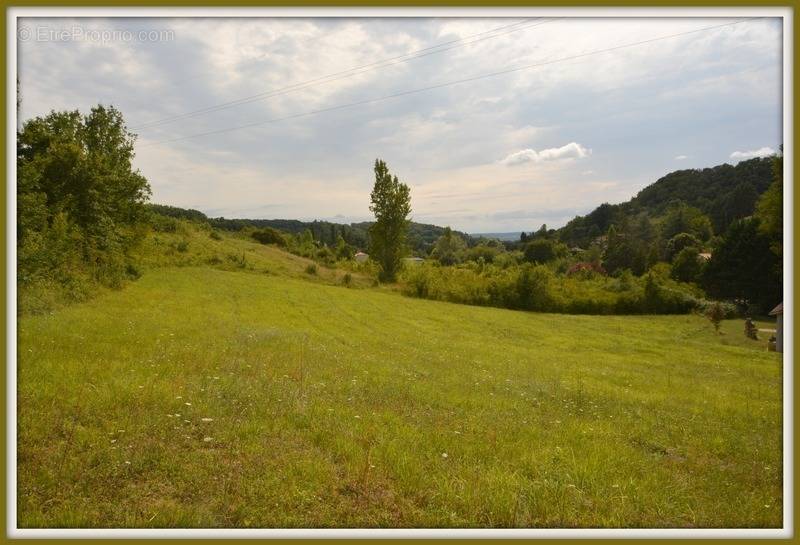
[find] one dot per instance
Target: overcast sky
(501, 153)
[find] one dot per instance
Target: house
(361, 257)
(778, 311)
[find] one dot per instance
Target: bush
(268, 235)
(347, 279)
(163, 224)
(687, 265)
(535, 287)
(182, 246)
(532, 288)
(215, 235)
(542, 251)
(311, 269)
(715, 314)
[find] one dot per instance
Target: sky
(496, 125)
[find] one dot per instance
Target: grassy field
(199, 397)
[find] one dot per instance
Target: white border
(11, 287)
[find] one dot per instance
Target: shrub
(687, 265)
(215, 235)
(715, 314)
(163, 224)
(586, 269)
(132, 271)
(541, 251)
(182, 246)
(311, 269)
(239, 260)
(347, 279)
(268, 235)
(532, 288)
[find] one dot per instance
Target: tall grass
(199, 397)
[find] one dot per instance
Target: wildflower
(127, 462)
(188, 404)
(207, 419)
(444, 455)
(207, 439)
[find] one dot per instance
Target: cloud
(573, 150)
(447, 142)
(761, 152)
(681, 157)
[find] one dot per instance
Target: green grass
(333, 407)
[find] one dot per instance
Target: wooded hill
(421, 236)
(724, 193)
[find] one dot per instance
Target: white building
(361, 257)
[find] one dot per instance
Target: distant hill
(421, 236)
(510, 237)
(724, 193)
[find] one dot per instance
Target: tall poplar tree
(391, 204)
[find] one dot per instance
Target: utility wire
(350, 72)
(449, 83)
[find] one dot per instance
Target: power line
(449, 83)
(350, 72)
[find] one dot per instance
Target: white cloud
(761, 152)
(681, 157)
(446, 142)
(573, 150)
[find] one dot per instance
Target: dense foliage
(723, 193)
(80, 204)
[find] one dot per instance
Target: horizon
(237, 130)
(529, 229)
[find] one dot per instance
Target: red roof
(777, 310)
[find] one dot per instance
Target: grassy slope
(232, 252)
(335, 407)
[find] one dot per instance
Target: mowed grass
(197, 397)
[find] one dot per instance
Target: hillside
(210, 394)
(421, 236)
(724, 193)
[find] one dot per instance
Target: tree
(743, 268)
(540, 250)
(681, 241)
(769, 209)
(75, 177)
(622, 252)
(448, 247)
(686, 267)
(343, 249)
(391, 204)
(681, 218)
